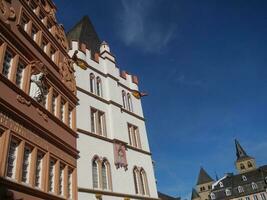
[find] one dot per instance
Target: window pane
(104, 176)
(38, 170)
(19, 74)
(95, 175)
(12, 156)
(26, 164)
(51, 175)
(7, 63)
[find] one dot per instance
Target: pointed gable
(84, 32)
(203, 177)
(240, 152)
(194, 194)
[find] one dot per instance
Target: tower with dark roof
(203, 186)
(244, 162)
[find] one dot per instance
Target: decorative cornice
(116, 194)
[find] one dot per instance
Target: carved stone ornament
(38, 86)
(61, 36)
(42, 114)
(22, 100)
(66, 71)
(120, 155)
(7, 12)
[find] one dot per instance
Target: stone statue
(38, 88)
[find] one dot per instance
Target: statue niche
(38, 83)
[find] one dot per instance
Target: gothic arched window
(140, 181)
(249, 164)
(130, 103)
(98, 86)
(92, 83)
(144, 183)
(95, 173)
(254, 186)
(124, 99)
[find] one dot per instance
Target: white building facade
(115, 160)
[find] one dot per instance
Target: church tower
(243, 163)
(203, 187)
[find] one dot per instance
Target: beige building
(203, 186)
(249, 184)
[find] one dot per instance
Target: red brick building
(37, 104)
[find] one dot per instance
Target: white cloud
(139, 26)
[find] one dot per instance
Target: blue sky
(203, 64)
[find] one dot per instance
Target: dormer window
(240, 189)
(228, 192)
(221, 184)
(244, 178)
(212, 195)
(254, 186)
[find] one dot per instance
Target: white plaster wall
(122, 181)
(116, 123)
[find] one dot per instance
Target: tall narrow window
(7, 63)
(124, 99)
(101, 123)
(51, 186)
(104, 176)
(38, 169)
(34, 33)
(62, 109)
(19, 74)
(98, 87)
(263, 196)
(134, 136)
(98, 123)
(95, 173)
(12, 158)
(26, 164)
(54, 103)
(135, 175)
(92, 83)
(52, 54)
(93, 120)
(24, 23)
(144, 183)
(61, 179)
(255, 197)
(70, 183)
(130, 103)
(70, 117)
(44, 45)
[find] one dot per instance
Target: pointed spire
(240, 152)
(84, 32)
(203, 177)
(194, 194)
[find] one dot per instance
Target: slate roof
(232, 182)
(84, 32)
(194, 194)
(167, 197)
(240, 152)
(203, 177)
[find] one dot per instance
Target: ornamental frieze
(7, 12)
